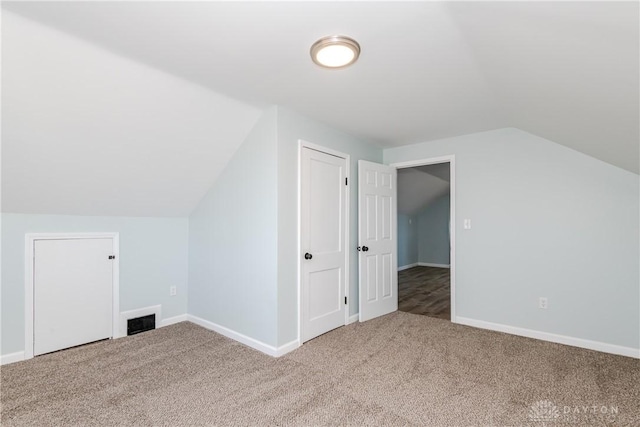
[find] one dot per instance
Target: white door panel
(323, 237)
(324, 291)
(73, 286)
(377, 198)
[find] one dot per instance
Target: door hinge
(112, 257)
(346, 181)
(345, 300)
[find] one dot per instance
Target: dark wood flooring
(426, 291)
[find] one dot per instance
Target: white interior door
(73, 286)
(377, 240)
(323, 242)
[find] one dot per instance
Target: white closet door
(72, 293)
(323, 221)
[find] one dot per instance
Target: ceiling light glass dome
(335, 51)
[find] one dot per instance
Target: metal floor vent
(141, 324)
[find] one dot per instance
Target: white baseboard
(284, 349)
(241, 338)
(405, 267)
(430, 264)
(18, 356)
(353, 319)
(172, 320)
(258, 345)
(547, 336)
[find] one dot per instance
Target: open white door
(377, 240)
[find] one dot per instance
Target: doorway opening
(426, 244)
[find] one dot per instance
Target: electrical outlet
(173, 291)
(467, 224)
(543, 303)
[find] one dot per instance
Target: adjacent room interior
(424, 240)
(320, 213)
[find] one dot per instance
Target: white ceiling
(566, 71)
(419, 186)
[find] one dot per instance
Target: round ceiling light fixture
(335, 51)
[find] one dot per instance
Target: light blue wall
(233, 240)
(407, 240)
(153, 257)
(243, 235)
(433, 232)
(291, 128)
(546, 221)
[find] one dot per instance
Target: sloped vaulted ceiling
(87, 132)
(566, 71)
(419, 186)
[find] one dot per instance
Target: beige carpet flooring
(401, 369)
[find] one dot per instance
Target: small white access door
(73, 286)
(323, 223)
(377, 226)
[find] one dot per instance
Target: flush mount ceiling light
(335, 51)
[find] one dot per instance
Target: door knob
(308, 256)
(365, 249)
(358, 248)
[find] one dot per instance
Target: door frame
(302, 144)
(451, 159)
(29, 280)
